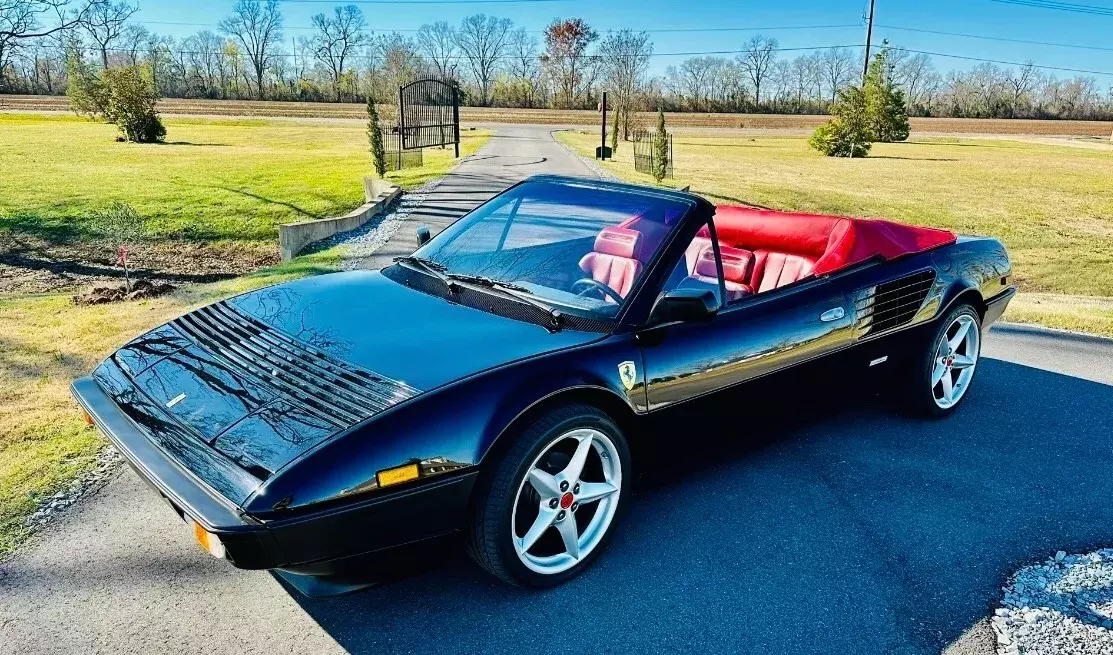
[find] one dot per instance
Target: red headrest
(736, 263)
(618, 241)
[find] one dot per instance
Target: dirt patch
(29, 264)
(140, 290)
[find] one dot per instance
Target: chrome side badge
(879, 360)
(628, 374)
(176, 399)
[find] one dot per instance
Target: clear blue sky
(980, 17)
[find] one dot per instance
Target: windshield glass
(573, 246)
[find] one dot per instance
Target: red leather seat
(614, 261)
(737, 264)
(776, 269)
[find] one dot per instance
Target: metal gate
(429, 114)
(645, 153)
(397, 158)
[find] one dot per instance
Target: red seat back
(614, 260)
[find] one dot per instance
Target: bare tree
(1021, 81)
(336, 39)
(437, 42)
(525, 62)
(625, 55)
(257, 26)
(483, 40)
(694, 76)
(916, 75)
(105, 23)
(838, 66)
(133, 39)
(24, 20)
(205, 57)
(566, 44)
(757, 59)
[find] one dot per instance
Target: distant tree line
(568, 65)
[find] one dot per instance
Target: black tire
(918, 397)
(489, 540)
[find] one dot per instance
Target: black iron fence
(396, 157)
(645, 153)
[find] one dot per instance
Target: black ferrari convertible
(494, 381)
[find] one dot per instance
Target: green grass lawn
(45, 343)
(213, 179)
(1052, 205)
(221, 179)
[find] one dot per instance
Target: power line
(997, 38)
(1060, 6)
(1004, 63)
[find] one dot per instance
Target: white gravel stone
(107, 463)
(1061, 607)
(363, 241)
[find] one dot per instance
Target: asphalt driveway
(832, 527)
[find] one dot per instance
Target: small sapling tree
(660, 149)
(123, 229)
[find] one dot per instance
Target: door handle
(832, 314)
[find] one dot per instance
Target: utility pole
(869, 36)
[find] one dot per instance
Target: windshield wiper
(515, 291)
(436, 269)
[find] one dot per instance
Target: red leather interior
(776, 269)
(614, 259)
(788, 247)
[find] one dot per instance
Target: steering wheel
(591, 284)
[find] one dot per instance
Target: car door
(750, 338)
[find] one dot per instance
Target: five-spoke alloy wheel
(551, 504)
(956, 356)
(942, 376)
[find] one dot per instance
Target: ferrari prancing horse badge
(628, 373)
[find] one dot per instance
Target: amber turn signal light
(397, 475)
(208, 541)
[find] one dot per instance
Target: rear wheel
(552, 502)
(943, 373)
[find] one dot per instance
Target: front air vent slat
(287, 351)
(287, 364)
(235, 357)
(336, 390)
(891, 304)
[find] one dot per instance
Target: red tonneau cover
(834, 242)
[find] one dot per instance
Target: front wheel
(943, 373)
(553, 500)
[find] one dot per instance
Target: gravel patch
(1061, 607)
(107, 463)
(363, 241)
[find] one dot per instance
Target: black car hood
(264, 377)
(414, 338)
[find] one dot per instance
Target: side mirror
(423, 235)
(685, 305)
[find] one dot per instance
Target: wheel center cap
(566, 500)
(950, 361)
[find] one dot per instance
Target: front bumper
(298, 542)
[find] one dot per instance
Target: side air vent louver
(339, 391)
(890, 304)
